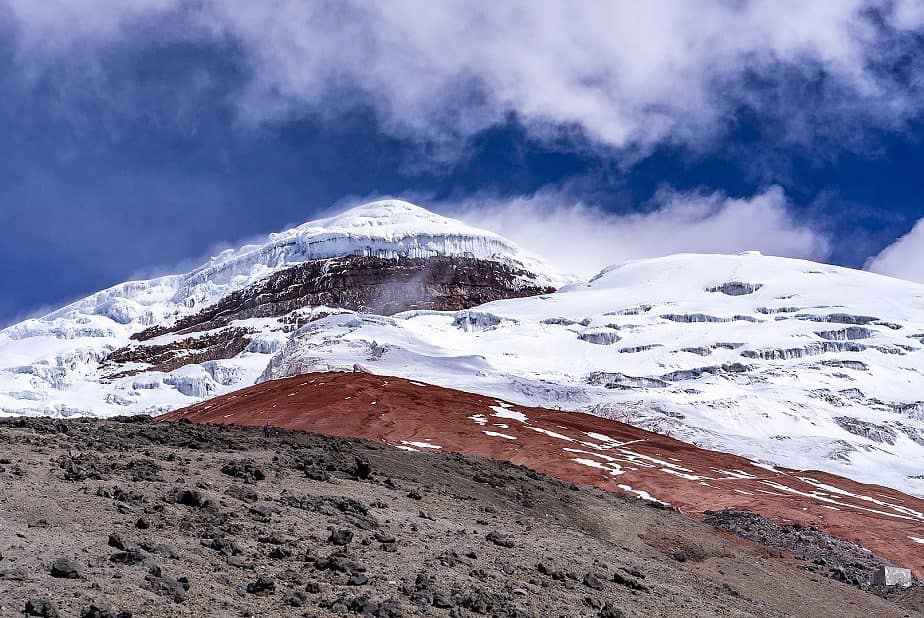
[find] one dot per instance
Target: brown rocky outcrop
(367, 284)
(225, 343)
(358, 283)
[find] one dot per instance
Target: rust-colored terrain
(580, 448)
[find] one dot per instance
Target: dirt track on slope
(579, 448)
(180, 519)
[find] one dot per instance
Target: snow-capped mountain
(785, 361)
(151, 346)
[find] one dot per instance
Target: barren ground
(164, 519)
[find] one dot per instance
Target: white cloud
(583, 238)
(630, 74)
(903, 258)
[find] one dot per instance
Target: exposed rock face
(381, 285)
(367, 284)
(224, 343)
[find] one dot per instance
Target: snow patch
(505, 412)
(642, 494)
(551, 434)
(420, 444)
(609, 469)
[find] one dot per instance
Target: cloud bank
(904, 258)
(583, 238)
(629, 75)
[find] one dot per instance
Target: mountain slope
(299, 524)
(784, 361)
(151, 346)
(576, 447)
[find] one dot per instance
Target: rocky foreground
(141, 518)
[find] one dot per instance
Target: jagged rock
(610, 611)
(127, 558)
(211, 346)
(65, 568)
(244, 469)
(14, 574)
(116, 540)
(352, 511)
(295, 598)
(914, 434)
(264, 585)
(628, 582)
(96, 611)
(591, 580)
(41, 607)
(187, 497)
(340, 537)
(176, 589)
(501, 540)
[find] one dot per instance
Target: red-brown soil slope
(577, 447)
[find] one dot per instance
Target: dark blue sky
(147, 165)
